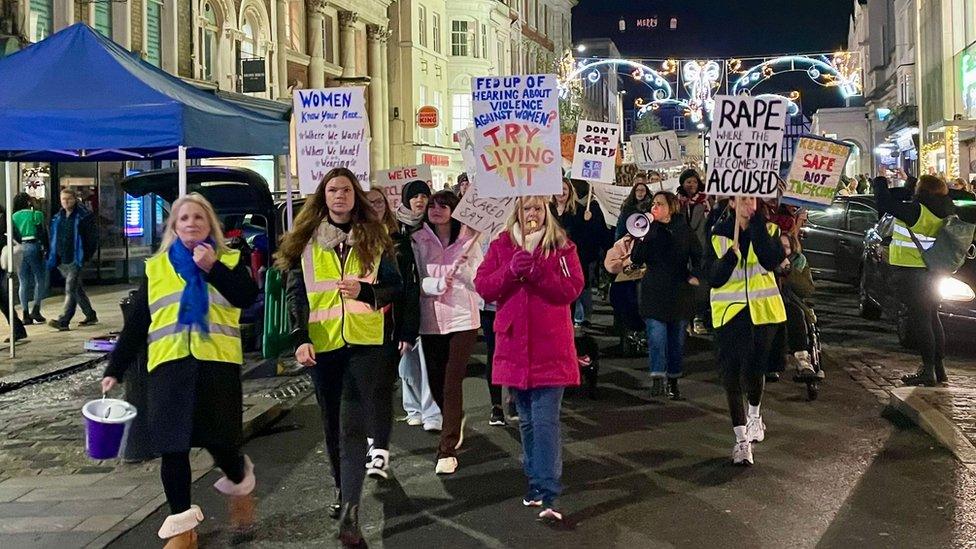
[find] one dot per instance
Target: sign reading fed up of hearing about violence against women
(516, 123)
(595, 153)
(747, 138)
(330, 126)
(816, 170)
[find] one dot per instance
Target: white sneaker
(446, 466)
(378, 464)
(755, 429)
(414, 421)
(804, 367)
(432, 426)
(742, 453)
(464, 420)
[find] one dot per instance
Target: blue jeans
(418, 402)
(541, 443)
(33, 277)
(74, 294)
(665, 347)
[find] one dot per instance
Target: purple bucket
(107, 423)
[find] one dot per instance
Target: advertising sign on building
(746, 145)
(428, 117)
(816, 170)
(330, 126)
(516, 120)
(595, 153)
(254, 76)
(654, 151)
(391, 181)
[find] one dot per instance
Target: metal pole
(181, 160)
(12, 314)
(289, 209)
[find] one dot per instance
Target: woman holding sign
(746, 305)
(447, 255)
(341, 276)
(533, 275)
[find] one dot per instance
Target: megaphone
(638, 225)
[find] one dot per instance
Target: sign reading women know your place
(816, 169)
(330, 125)
(595, 154)
(516, 122)
(747, 138)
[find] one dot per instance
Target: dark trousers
(743, 351)
(919, 290)
(383, 398)
(344, 388)
(74, 294)
(488, 327)
(175, 472)
(447, 363)
(19, 330)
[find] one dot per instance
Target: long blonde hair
(216, 232)
(570, 200)
(553, 237)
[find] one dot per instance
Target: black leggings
(345, 388)
(743, 351)
(920, 292)
(488, 326)
(175, 473)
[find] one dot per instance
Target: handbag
(8, 263)
(631, 272)
(948, 252)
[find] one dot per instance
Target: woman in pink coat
(534, 279)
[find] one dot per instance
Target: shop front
(445, 165)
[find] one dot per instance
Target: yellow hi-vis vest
(168, 340)
(903, 252)
(749, 284)
(334, 322)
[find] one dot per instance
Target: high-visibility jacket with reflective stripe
(903, 252)
(334, 322)
(168, 340)
(749, 284)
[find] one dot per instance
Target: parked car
(880, 297)
(833, 239)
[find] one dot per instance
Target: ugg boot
(349, 533)
(240, 502)
(180, 530)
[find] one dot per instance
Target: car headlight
(953, 289)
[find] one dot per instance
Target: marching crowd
(375, 293)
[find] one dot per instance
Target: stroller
(805, 344)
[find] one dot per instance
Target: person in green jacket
(32, 273)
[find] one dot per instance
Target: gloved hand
(522, 264)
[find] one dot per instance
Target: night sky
(721, 29)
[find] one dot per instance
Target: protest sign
(330, 129)
(595, 153)
(465, 138)
(816, 170)
(391, 182)
(747, 138)
(485, 215)
(654, 151)
(516, 121)
(610, 198)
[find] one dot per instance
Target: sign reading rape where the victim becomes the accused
(516, 122)
(747, 141)
(330, 129)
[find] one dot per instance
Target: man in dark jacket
(74, 239)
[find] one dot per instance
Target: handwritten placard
(330, 129)
(483, 214)
(391, 182)
(610, 198)
(654, 151)
(516, 122)
(816, 169)
(595, 153)
(747, 138)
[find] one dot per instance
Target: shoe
(464, 421)
(58, 325)
(432, 427)
(673, 392)
(246, 486)
(38, 318)
(497, 418)
(940, 373)
(378, 465)
(446, 466)
(755, 429)
(89, 321)
(804, 369)
(336, 506)
(742, 453)
(772, 377)
(925, 377)
(532, 499)
(28, 320)
(657, 387)
(180, 529)
(698, 327)
(550, 515)
(414, 421)
(349, 533)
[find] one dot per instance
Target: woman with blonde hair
(533, 274)
(341, 276)
(188, 309)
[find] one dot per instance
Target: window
(461, 114)
(438, 103)
(249, 44)
(500, 57)
(208, 43)
(437, 32)
(328, 35)
(154, 35)
(424, 134)
(296, 22)
(679, 123)
(530, 17)
(422, 25)
(41, 19)
(831, 218)
(545, 19)
(103, 18)
(484, 42)
(459, 38)
(860, 218)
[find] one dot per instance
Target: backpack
(948, 253)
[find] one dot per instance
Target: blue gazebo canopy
(79, 96)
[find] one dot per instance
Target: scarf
(406, 216)
(195, 301)
(531, 243)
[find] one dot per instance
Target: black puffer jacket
(672, 255)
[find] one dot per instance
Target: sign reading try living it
(331, 132)
(747, 138)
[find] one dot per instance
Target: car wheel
(865, 305)
(905, 336)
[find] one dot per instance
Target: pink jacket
(534, 345)
(447, 310)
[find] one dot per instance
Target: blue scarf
(195, 301)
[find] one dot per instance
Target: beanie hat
(462, 177)
(414, 188)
